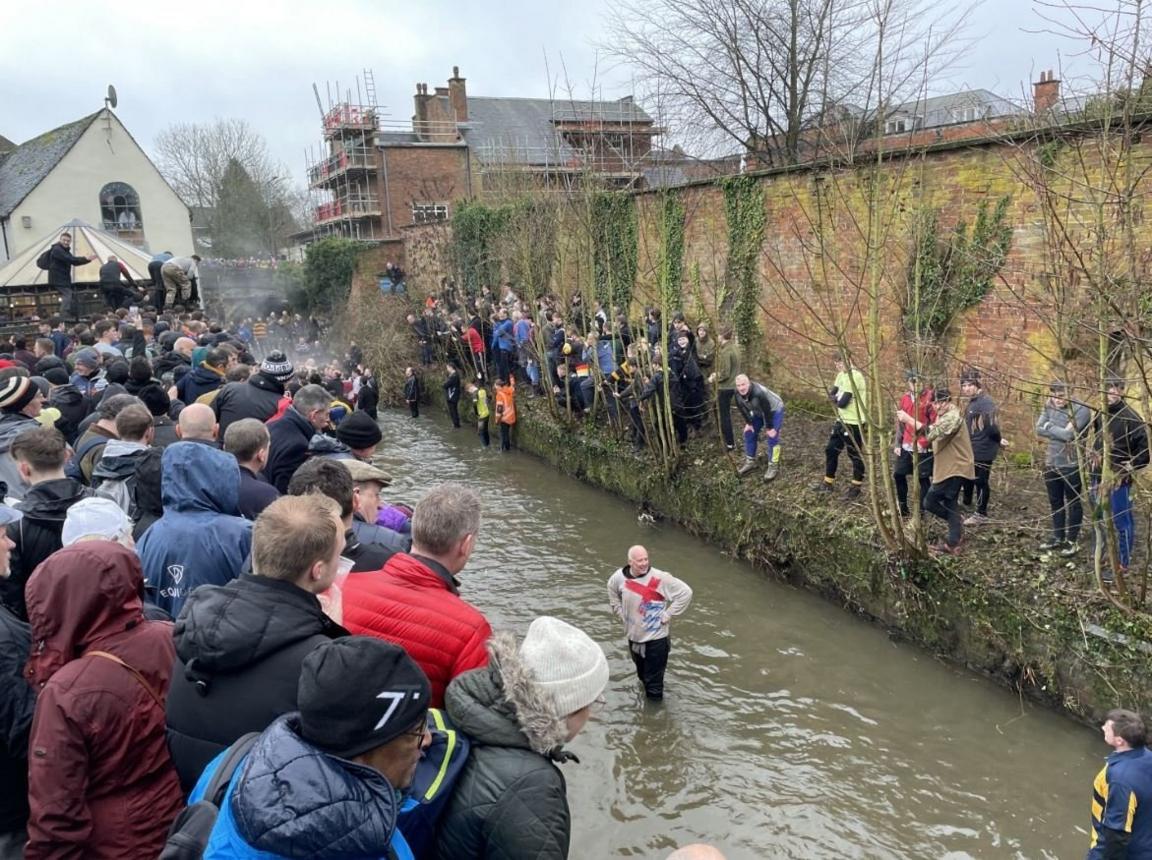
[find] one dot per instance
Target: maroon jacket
(413, 604)
(101, 783)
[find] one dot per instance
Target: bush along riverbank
(1032, 621)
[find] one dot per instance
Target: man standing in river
(647, 599)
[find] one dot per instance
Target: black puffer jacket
(37, 535)
(17, 703)
(238, 652)
(74, 407)
(257, 398)
(511, 801)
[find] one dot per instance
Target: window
(428, 213)
(895, 126)
(969, 114)
(120, 208)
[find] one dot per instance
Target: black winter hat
(358, 430)
(48, 362)
(358, 693)
(55, 375)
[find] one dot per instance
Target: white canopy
(22, 271)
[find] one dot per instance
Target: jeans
(980, 485)
(727, 395)
(941, 501)
(845, 436)
(1063, 486)
(901, 472)
(752, 437)
(1120, 500)
(651, 659)
(69, 303)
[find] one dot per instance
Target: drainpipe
(387, 193)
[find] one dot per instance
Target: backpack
(189, 834)
(72, 467)
(122, 491)
(432, 785)
(44, 261)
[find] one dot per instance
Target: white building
(92, 170)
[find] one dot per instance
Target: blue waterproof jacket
(502, 337)
(289, 799)
(199, 540)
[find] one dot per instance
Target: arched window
(120, 208)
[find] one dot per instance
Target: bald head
(197, 421)
(696, 852)
(184, 346)
(638, 560)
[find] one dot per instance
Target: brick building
(375, 181)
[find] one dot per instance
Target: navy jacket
(290, 799)
(291, 435)
(255, 494)
(198, 382)
(199, 540)
(1122, 807)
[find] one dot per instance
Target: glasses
(419, 730)
(344, 566)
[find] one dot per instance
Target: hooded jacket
(292, 800)
(257, 398)
(115, 474)
(199, 540)
(238, 653)
(149, 494)
(982, 418)
(1062, 428)
(200, 381)
(413, 602)
(37, 535)
(169, 361)
(12, 424)
(17, 703)
(74, 407)
(290, 434)
(101, 782)
(511, 801)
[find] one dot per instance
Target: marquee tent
(22, 271)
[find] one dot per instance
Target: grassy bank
(1034, 622)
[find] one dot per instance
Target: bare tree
(774, 77)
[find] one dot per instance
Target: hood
(65, 395)
(203, 374)
(501, 705)
(119, 460)
(200, 478)
(264, 382)
(78, 597)
(325, 446)
(49, 501)
(230, 627)
(12, 424)
(295, 801)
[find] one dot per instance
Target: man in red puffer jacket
(414, 601)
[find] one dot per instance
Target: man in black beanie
(361, 434)
(329, 779)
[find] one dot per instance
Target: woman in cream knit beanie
(510, 801)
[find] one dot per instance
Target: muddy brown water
(790, 729)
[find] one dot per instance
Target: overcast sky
(192, 62)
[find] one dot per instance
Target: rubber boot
(748, 466)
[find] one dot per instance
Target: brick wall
(421, 174)
(816, 277)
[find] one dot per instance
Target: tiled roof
(22, 169)
(5, 144)
(515, 130)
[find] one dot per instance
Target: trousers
(941, 501)
(845, 436)
(651, 659)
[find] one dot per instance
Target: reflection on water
(789, 730)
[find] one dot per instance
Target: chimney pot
(1046, 92)
(455, 71)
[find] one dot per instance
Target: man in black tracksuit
(983, 422)
(60, 263)
(452, 394)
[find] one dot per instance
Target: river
(790, 729)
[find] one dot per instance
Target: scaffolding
(343, 172)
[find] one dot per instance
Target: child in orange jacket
(505, 411)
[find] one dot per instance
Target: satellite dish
(110, 99)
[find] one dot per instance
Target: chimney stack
(420, 117)
(1046, 92)
(458, 95)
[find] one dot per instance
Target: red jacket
(101, 782)
(474, 341)
(414, 606)
(923, 411)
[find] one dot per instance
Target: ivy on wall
(614, 247)
(476, 230)
(950, 273)
(744, 212)
(324, 281)
(528, 247)
(671, 249)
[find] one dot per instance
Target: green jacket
(727, 365)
